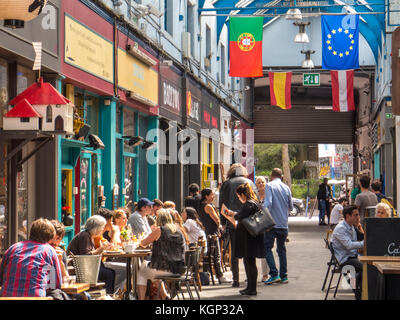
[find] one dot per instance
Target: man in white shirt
(336, 214)
(346, 246)
(138, 220)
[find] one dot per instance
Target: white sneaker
(223, 279)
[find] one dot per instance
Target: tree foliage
(269, 156)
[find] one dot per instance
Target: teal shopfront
(116, 100)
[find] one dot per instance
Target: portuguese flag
(245, 46)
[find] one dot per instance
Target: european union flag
(340, 42)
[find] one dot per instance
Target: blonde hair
(169, 205)
(261, 178)
(164, 219)
(179, 222)
(385, 207)
(118, 213)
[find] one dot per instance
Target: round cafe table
(130, 274)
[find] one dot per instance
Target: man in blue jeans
(278, 200)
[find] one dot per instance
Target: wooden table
(385, 268)
(130, 274)
(75, 288)
(365, 260)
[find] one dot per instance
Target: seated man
(31, 267)
(336, 215)
(346, 246)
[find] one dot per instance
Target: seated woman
(111, 231)
(193, 226)
(168, 254)
(83, 244)
(120, 220)
(382, 210)
(179, 223)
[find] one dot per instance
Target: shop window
(3, 204)
(118, 158)
(3, 90)
(25, 78)
(129, 179)
(49, 114)
(129, 127)
(22, 204)
(84, 186)
(66, 192)
(92, 109)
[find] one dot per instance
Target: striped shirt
(29, 268)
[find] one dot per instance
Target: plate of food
(113, 251)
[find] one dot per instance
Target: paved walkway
(307, 265)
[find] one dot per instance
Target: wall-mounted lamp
(95, 142)
(307, 63)
(302, 36)
(135, 141)
(147, 145)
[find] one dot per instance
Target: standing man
(194, 198)
(278, 200)
(345, 245)
(324, 194)
(366, 198)
(236, 175)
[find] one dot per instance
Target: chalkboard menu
(382, 238)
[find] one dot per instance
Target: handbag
(259, 222)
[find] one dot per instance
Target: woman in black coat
(247, 247)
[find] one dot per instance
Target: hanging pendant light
(302, 36)
(16, 12)
(293, 13)
(308, 63)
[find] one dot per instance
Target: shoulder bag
(259, 222)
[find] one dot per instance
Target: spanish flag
(279, 86)
(245, 46)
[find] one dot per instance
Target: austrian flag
(342, 90)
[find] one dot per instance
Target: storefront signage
(211, 110)
(87, 50)
(206, 117)
(171, 97)
(192, 106)
(135, 76)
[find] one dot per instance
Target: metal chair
(335, 270)
(330, 263)
(174, 282)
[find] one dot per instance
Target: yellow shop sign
(87, 50)
(137, 77)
